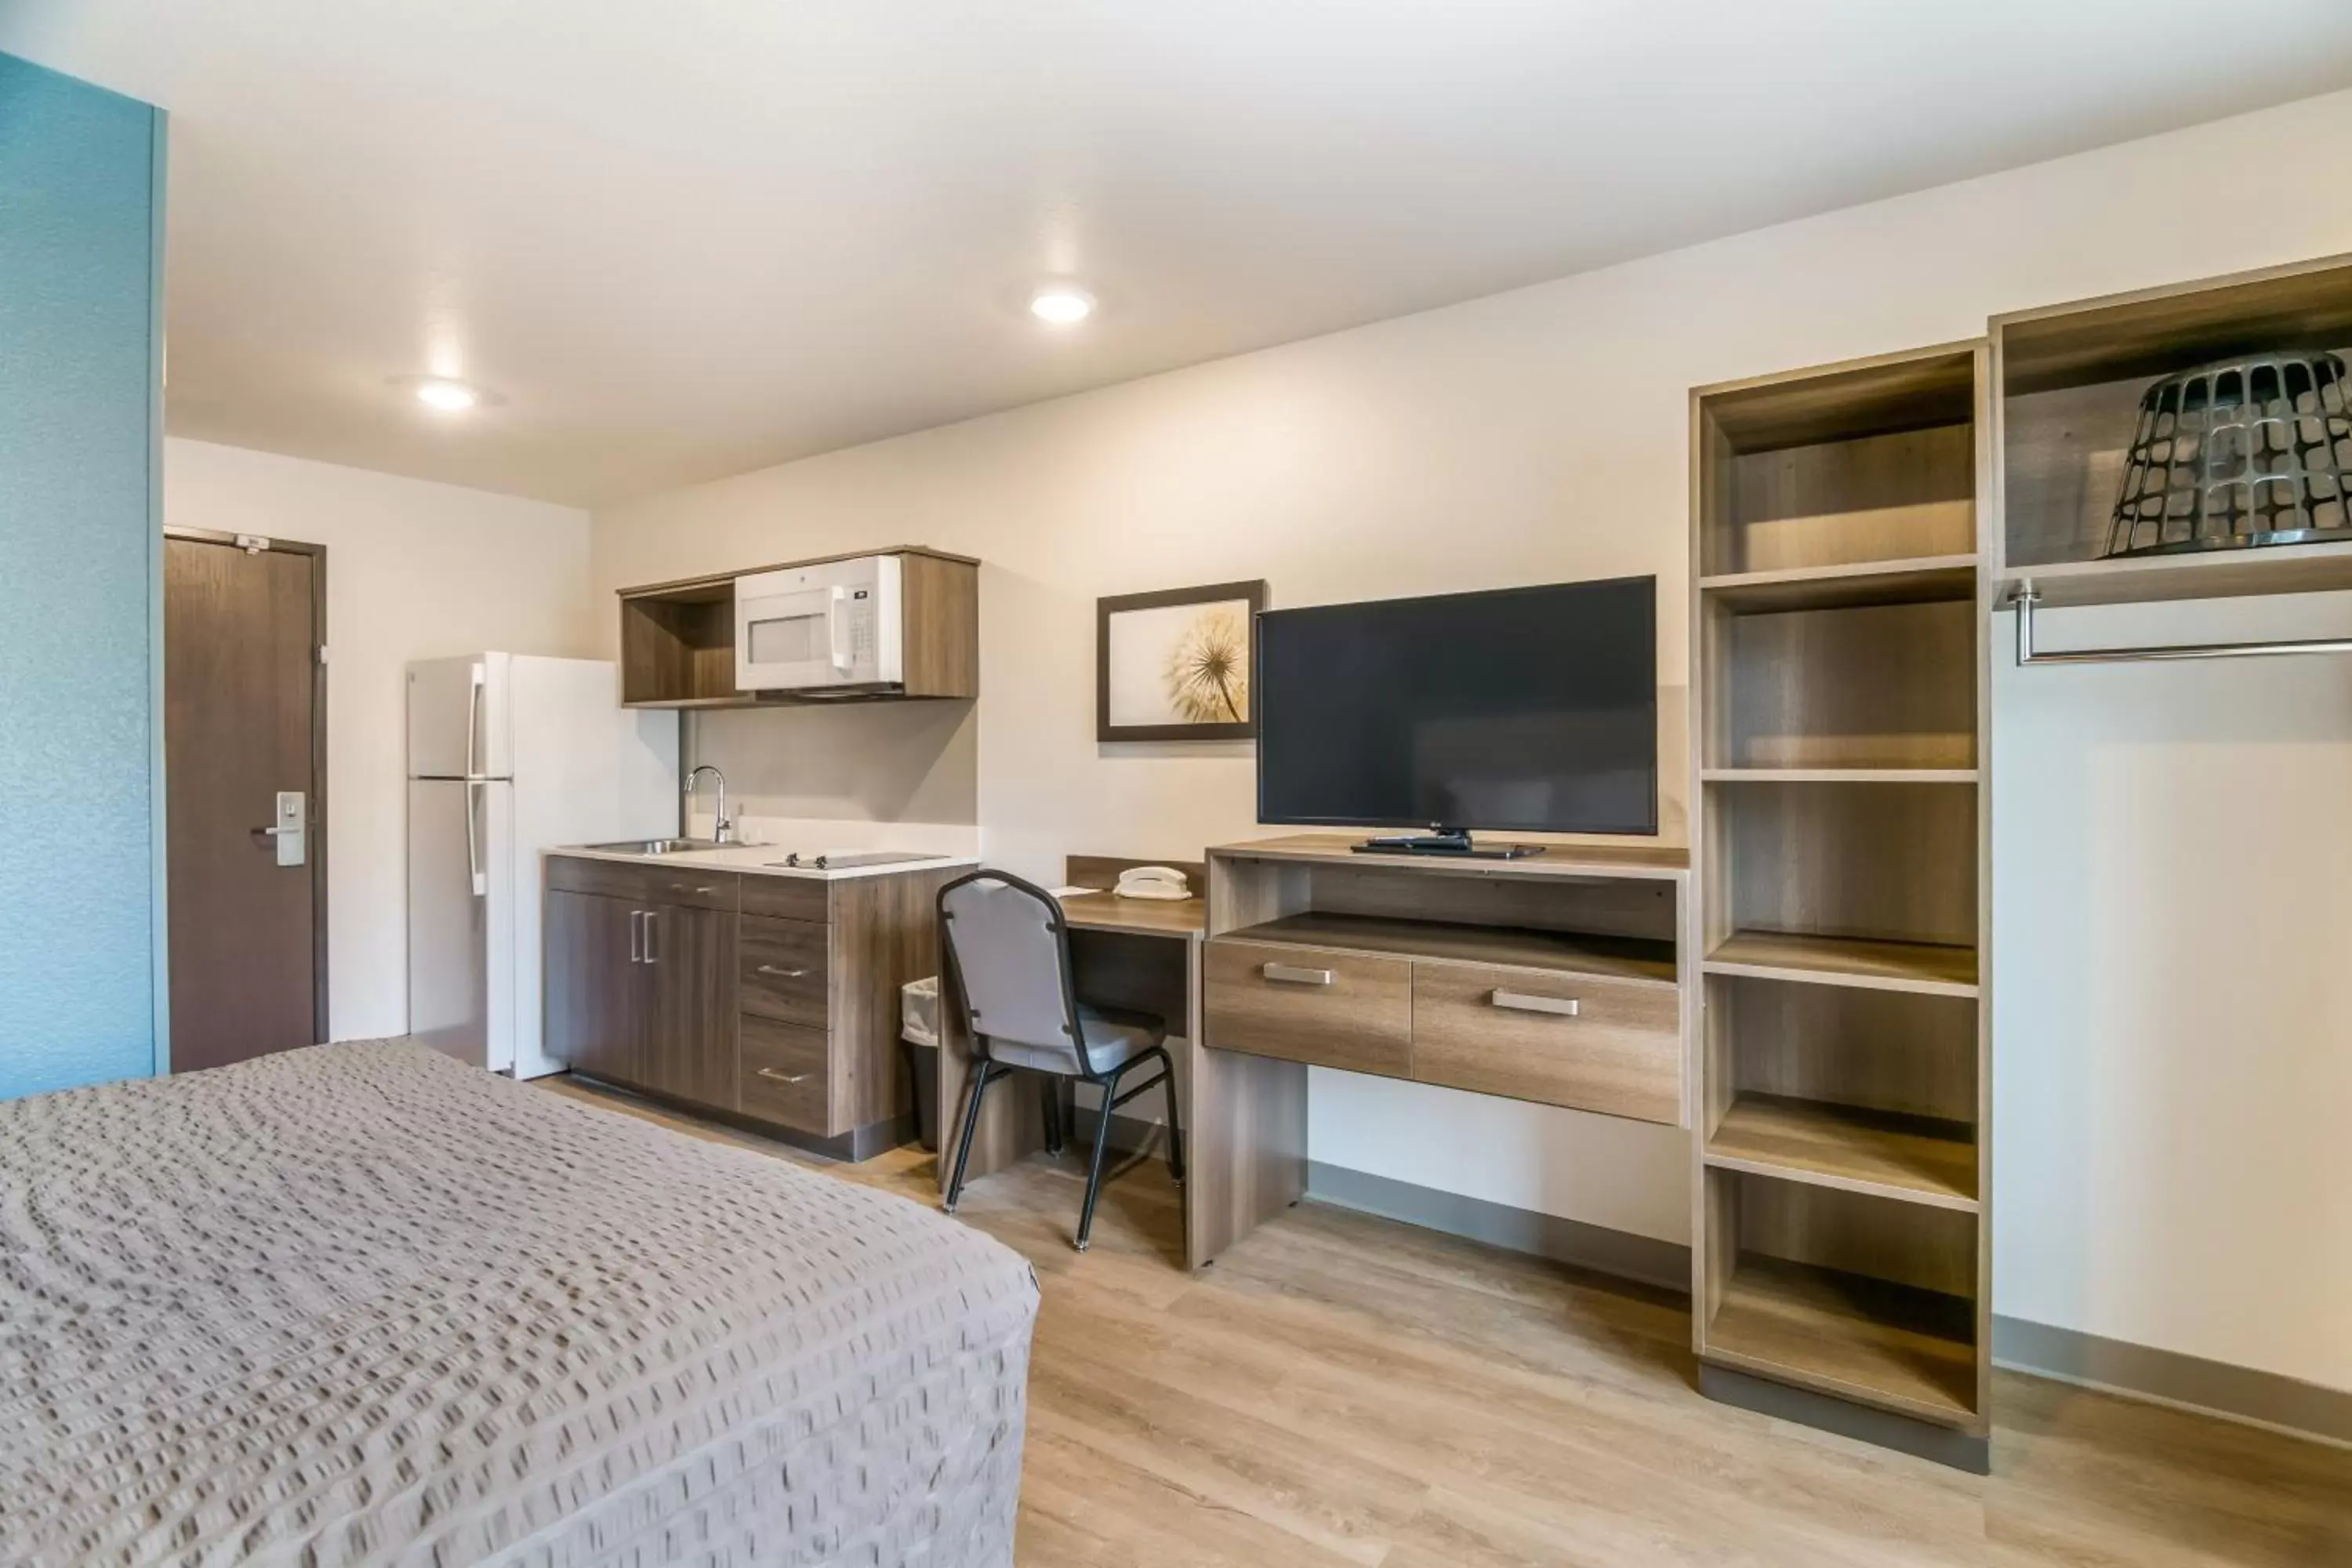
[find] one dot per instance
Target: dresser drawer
(1595, 1043)
(1304, 1005)
(787, 897)
(785, 971)
(689, 886)
(783, 1075)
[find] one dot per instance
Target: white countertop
(757, 859)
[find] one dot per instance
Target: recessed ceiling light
(1061, 304)
(448, 396)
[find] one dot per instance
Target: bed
(361, 1304)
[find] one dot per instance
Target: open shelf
(1930, 969)
(677, 647)
(1861, 686)
(1910, 1159)
(1841, 775)
(1904, 582)
(1898, 1347)
(2070, 381)
(1620, 958)
(2210, 574)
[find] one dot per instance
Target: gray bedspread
(362, 1304)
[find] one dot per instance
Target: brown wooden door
(598, 992)
(690, 1040)
(244, 723)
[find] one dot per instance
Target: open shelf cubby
(1845, 1294)
(2069, 381)
(1839, 676)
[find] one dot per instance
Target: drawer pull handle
(787, 974)
(1520, 1002)
(700, 893)
(784, 1077)
(1292, 975)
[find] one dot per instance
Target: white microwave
(837, 626)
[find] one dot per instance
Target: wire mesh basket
(2251, 451)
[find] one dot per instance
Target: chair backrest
(1010, 953)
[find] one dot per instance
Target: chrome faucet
(722, 831)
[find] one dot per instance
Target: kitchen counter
(760, 860)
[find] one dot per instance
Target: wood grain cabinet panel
(1306, 1004)
(785, 967)
(595, 1002)
(1594, 1043)
(785, 1076)
(689, 959)
(787, 897)
(688, 886)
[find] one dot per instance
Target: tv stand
(1566, 980)
(1443, 840)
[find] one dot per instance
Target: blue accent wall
(80, 203)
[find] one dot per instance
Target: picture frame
(1178, 664)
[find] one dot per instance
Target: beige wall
(1541, 435)
(414, 571)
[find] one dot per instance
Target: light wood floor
(1344, 1390)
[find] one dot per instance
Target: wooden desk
(1140, 954)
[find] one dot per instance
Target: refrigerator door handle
(474, 727)
(480, 878)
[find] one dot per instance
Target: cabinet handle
(636, 941)
(1291, 974)
(682, 888)
(784, 1077)
(1520, 1002)
(787, 974)
(651, 915)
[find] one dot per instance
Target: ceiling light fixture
(447, 397)
(1061, 304)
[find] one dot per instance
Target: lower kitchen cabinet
(785, 1016)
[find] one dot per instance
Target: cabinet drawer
(786, 898)
(1304, 1005)
(691, 886)
(785, 969)
(784, 1075)
(1610, 1046)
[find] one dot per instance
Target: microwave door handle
(837, 626)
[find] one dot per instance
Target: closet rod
(2027, 597)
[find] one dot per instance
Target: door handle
(473, 721)
(636, 941)
(290, 836)
(1520, 1002)
(682, 888)
(481, 882)
(784, 1076)
(786, 973)
(651, 915)
(1292, 975)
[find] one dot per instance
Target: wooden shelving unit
(1839, 619)
(2067, 383)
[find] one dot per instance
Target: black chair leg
(1095, 1172)
(1175, 1119)
(1049, 1089)
(979, 1082)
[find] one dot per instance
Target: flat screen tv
(1528, 710)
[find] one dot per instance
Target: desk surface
(1140, 917)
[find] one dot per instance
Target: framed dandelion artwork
(1175, 666)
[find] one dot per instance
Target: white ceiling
(692, 238)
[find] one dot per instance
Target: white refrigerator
(507, 757)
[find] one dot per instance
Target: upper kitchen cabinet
(900, 623)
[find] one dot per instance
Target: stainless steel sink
(659, 846)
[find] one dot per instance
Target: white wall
(1542, 435)
(414, 571)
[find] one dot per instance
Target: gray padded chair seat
(1114, 1036)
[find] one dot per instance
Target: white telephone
(1152, 882)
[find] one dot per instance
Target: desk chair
(1007, 951)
